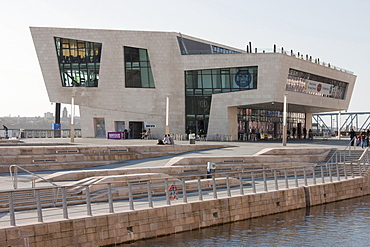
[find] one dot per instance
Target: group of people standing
(360, 139)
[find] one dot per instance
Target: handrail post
(228, 186)
(39, 208)
(295, 177)
(88, 201)
(15, 182)
(345, 171)
(305, 177)
(253, 183)
(200, 190)
(338, 175)
(167, 192)
(352, 171)
(110, 198)
(64, 201)
(185, 199)
(241, 184)
(264, 181)
(286, 179)
(330, 175)
(11, 209)
(150, 199)
(322, 174)
(276, 182)
(313, 175)
(130, 196)
(214, 186)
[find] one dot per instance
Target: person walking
(6, 131)
(352, 135)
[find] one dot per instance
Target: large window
(79, 62)
(201, 84)
(138, 69)
(303, 82)
(192, 47)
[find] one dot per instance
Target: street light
(167, 113)
(284, 120)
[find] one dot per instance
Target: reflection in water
(344, 223)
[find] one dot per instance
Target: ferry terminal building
(136, 80)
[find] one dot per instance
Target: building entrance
(135, 130)
(264, 124)
(99, 127)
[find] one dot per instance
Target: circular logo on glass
(243, 78)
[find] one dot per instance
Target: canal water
(344, 223)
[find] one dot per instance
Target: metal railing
(25, 205)
(34, 176)
(344, 155)
(40, 133)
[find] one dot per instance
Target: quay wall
(110, 229)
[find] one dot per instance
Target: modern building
(137, 80)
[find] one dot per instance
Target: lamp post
(285, 120)
(72, 119)
(167, 113)
(338, 124)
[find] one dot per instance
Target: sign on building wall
(317, 87)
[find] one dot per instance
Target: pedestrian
(304, 133)
(166, 139)
(352, 136)
(6, 131)
(310, 135)
(148, 134)
(363, 139)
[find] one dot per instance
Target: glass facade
(137, 68)
(79, 62)
(192, 47)
(303, 82)
(269, 124)
(201, 84)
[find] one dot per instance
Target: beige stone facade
(113, 102)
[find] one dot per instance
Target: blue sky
(334, 31)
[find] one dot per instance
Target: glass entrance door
(99, 127)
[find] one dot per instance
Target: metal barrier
(40, 133)
(39, 204)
